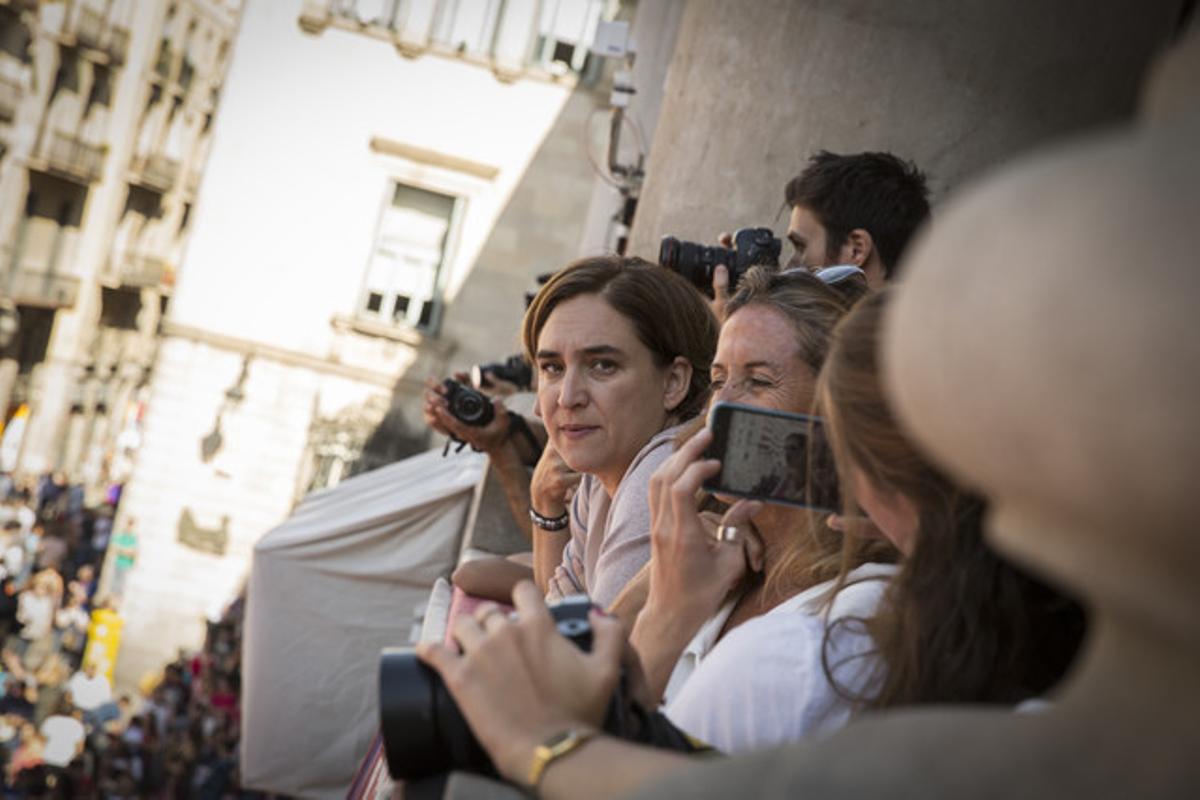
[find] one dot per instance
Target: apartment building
(387, 180)
(106, 118)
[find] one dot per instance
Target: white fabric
(338, 581)
(764, 683)
(63, 735)
(36, 612)
(87, 693)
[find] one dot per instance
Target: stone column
(957, 85)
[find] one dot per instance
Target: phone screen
(768, 455)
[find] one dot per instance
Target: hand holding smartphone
(772, 456)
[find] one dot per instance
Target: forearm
(514, 480)
(589, 773)
(659, 638)
(548, 547)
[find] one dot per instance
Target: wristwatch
(557, 746)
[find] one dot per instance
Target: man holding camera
(856, 210)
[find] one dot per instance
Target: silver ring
(726, 533)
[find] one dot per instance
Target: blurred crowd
(64, 732)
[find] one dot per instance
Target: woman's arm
(691, 570)
(551, 490)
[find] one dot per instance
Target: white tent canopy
(329, 588)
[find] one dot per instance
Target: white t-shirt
(765, 682)
(63, 735)
(89, 693)
(36, 611)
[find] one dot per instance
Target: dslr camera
(424, 733)
(514, 369)
(467, 405)
(695, 262)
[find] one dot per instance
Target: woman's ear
(857, 248)
(678, 381)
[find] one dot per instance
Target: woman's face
(758, 362)
(599, 391)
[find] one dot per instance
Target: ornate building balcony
(156, 172)
(70, 157)
(143, 270)
(34, 284)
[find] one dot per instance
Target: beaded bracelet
(549, 523)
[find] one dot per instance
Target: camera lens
(424, 733)
(467, 405)
(695, 262)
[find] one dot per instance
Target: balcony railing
(143, 270)
(34, 285)
(74, 157)
(10, 98)
(88, 27)
(156, 171)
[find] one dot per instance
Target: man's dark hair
(878, 192)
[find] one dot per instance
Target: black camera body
(514, 369)
(424, 733)
(695, 262)
(467, 405)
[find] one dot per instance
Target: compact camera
(467, 405)
(514, 369)
(695, 262)
(424, 733)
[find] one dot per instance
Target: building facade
(387, 179)
(106, 112)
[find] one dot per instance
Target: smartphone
(773, 456)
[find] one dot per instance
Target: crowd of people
(63, 730)
(750, 622)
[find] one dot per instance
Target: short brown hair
(669, 316)
(884, 195)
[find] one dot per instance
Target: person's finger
(529, 602)
(754, 550)
(692, 478)
(484, 610)
(467, 632)
(608, 637)
(720, 282)
(725, 239)
(435, 654)
(740, 513)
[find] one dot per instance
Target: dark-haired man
(858, 209)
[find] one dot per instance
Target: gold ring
(726, 533)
